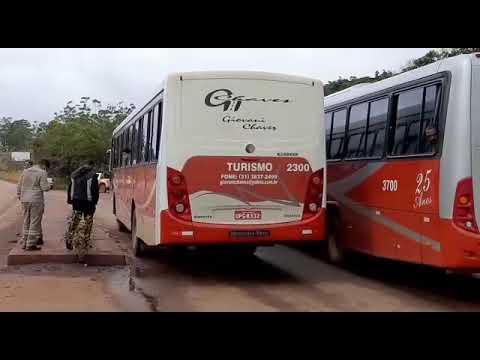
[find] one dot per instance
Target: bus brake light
(313, 198)
(464, 209)
(178, 200)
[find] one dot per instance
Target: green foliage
(15, 135)
(428, 58)
(78, 133)
(341, 84)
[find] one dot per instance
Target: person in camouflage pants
(83, 195)
(78, 234)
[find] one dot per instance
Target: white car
(103, 183)
(50, 181)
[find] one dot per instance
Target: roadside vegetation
(10, 176)
(430, 57)
(77, 133)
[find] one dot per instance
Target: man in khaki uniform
(30, 188)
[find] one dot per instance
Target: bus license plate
(248, 215)
(249, 234)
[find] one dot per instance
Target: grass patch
(11, 176)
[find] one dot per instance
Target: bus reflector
(464, 209)
(178, 200)
(313, 198)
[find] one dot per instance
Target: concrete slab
(105, 251)
(96, 257)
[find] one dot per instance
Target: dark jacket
(83, 187)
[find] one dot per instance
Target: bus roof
(360, 90)
(254, 75)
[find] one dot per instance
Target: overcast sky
(35, 83)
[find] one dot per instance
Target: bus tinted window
(408, 114)
(123, 146)
(153, 134)
(357, 125)
(129, 146)
(338, 134)
(328, 130)
(377, 122)
(428, 118)
(140, 147)
(146, 133)
(119, 151)
(134, 142)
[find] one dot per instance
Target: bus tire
(138, 246)
(121, 227)
(336, 254)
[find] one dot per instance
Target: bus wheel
(138, 245)
(336, 253)
(121, 227)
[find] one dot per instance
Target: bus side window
(408, 112)
(357, 125)
(114, 152)
(146, 134)
(159, 130)
(377, 122)
(122, 147)
(153, 134)
(338, 134)
(135, 143)
(416, 123)
(328, 132)
(119, 152)
(130, 138)
(141, 142)
(429, 120)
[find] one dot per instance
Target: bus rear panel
(244, 160)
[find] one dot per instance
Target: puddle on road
(121, 285)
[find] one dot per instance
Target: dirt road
(57, 287)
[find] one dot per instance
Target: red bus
(229, 158)
(403, 158)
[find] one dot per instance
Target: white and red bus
(404, 166)
(223, 158)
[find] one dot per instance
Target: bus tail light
(314, 196)
(178, 200)
(464, 209)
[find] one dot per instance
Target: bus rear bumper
(462, 249)
(178, 232)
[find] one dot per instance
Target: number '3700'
(389, 185)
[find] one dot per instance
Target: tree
(15, 135)
(78, 133)
(435, 55)
(430, 57)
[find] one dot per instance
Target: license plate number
(248, 215)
